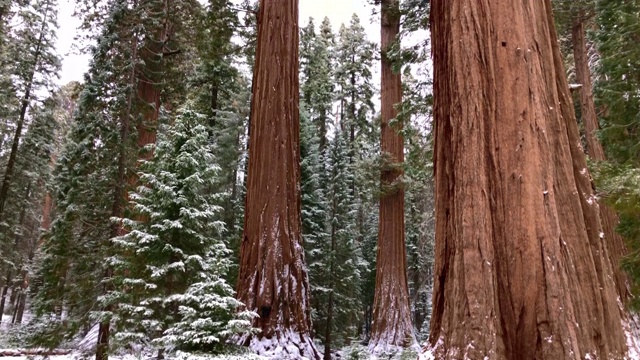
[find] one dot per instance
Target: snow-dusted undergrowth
(287, 345)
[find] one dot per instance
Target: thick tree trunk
(391, 312)
(521, 272)
(615, 242)
(273, 280)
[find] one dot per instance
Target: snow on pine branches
(170, 263)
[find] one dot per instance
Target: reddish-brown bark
(615, 242)
(391, 312)
(521, 271)
(273, 280)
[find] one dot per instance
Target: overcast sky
(338, 11)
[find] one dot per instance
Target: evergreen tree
(132, 80)
(34, 64)
(313, 215)
(353, 77)
(354, 97)
(419, 203)
(618, 104)
(170, 265)
(341, 252)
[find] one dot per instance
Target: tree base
(287, 345)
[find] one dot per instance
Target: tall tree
(353, 77)
(618, 104)
(589, 117)
(317, 86)
(273, 280)
(169, 266)
(521, 271)
(36, 65)
(391, 312)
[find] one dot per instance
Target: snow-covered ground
(130, 357)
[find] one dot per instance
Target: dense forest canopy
(232, 181)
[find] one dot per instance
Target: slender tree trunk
(3, 296)
(391, 312)
(22, 301)
(521, 272)
(214, 106)
(273, 280)
(8, 173)
(609, 218)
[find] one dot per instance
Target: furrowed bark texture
(273, 280)
(391, 312)
(521, 271)
(609, 218)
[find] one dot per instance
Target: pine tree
(170, 265)
(34, 66)
(520, 267)
(419, 212)
(342, 251)
(307, 41)
(32, 178)
(618, 104)
(313, 216)
(354, 95)
(133, 81)
(353, 77)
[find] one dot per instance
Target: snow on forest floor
(76, 356)
(131, 357)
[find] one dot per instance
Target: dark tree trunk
(615, 242)
(3, 296)
(214, 107)
(521, 272)
(273, 280)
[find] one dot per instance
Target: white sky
(338, 11)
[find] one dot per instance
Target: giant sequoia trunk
(273, 280)
(609, 218)
(521, 271)
(391, 312)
